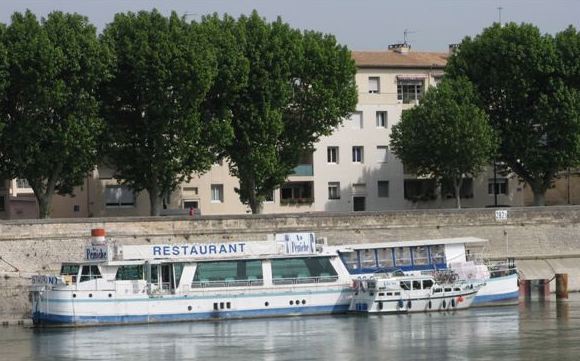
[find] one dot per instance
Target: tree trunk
(457, 186)
(154, 201)
(44, 205)
(539, 198)
(253, 201)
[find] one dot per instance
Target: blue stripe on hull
(51, 319)
(509, 297)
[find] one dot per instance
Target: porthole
(74, 295)
(303, 302)
(266, 303)
(291, 302)
(90, 295)
(297, 302)
(110, 295)
(189, 308)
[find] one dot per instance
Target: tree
(447, 136)
(297, 87)
(50, 107)
(3, 84)
(158, 133)
(523, 80)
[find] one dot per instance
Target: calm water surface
(531, 331)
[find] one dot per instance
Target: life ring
(459, 299)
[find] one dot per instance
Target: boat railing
(302, 280)
(226, 283)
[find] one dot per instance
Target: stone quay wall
(39, 246)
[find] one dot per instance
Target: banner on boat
(297, 243)
(286, 243)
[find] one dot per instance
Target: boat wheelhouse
(424, 256)
(155, 283)
(400, 293)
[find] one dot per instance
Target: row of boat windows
(394, 257)
(249, 271)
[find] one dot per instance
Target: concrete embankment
(543, 240)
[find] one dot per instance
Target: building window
(119, 196)
(419, 189)
(501, 186)
(190, 190)
(374, 85)
(332, 155)
(357, 154)
(409, 91)
(76, 208)
(297, 192)
(190, 204)
(269, 197)
(357, 120)
(381, 119)
(333, 190)
(383, 187)
(2, 206)
(22, 183)
(382, 154)
(466, 190)
(217, 193)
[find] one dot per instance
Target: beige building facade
(351, 170)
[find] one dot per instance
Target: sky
(360, 24)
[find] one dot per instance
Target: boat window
(457, 289)
(385, 256)
(397, 293)
(389, 293)
(420, 256)
(90, 272)
(228, 273)
(437, 290)
(178, 270)
(303, 270)
(406, 285)
(427, 284)
(367, 258)
(402, 256)
(129, 272)
(437, 254)
(447, 289)
(416, 285)
(350, 260)
(69, 269)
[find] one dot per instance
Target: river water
(536, 330)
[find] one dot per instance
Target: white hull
(498, 291)
(96, 307)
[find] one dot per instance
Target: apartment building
(351, 170)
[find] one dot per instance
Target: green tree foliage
(527, 86)
(158, 133)
(292, 88)
(3, 83)
(447, 136)
(50, 108)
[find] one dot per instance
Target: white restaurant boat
(156, 283)
(426, 256)
(399, 293)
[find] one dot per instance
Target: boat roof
(416, 243)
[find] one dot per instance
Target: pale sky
(359, 24)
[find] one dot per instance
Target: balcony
(304, 170)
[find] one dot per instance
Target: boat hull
(498, 291)
(54, 307)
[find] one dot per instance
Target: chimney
(453, 48)
(402, 48)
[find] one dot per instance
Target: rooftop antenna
(499, 9)
(405, 33)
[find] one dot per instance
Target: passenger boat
(399, 293)
(156, 283)
(426, 256)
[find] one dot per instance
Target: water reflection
(532, 331)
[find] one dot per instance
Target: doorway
(358, 204)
